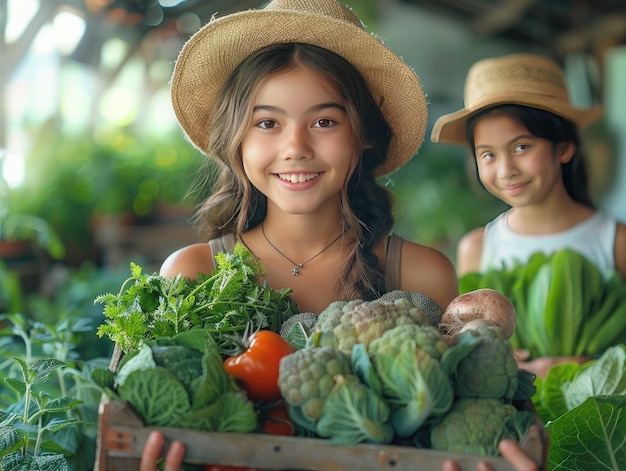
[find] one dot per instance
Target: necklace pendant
(296, 270)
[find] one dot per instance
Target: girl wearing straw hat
(301, 109)
(524, 135)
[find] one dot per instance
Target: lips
(514, 189)
(297, 177)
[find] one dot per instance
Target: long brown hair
(236, 206)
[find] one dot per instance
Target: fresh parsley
(225, 303)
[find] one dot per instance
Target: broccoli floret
(343, 324)
(431, 309)
(475, 426)
(306, 376)
(425, 337)
(490, 369)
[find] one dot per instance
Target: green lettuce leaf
(590, 436)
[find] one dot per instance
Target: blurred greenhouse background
(95, 172)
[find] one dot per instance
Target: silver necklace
(296, 266)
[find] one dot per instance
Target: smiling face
(298, 149)
(515, 166)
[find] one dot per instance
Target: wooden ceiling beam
(502, 17)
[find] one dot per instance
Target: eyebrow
(516, 138)
(314, 108)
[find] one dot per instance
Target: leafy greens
(584, 408)
(565, 306)
(224, 303)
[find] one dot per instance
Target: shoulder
(428, 271)
(189, 261)
(469, 251)
(620, 249)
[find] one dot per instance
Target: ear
(566, 151)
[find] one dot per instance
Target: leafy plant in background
(74, 178)
(27, 422)
(45, 339)
(49, 412)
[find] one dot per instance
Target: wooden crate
(122, 436)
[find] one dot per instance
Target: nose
(506, 167)
(296, 144)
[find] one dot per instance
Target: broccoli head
(345, 323)
(431, 309)
(490, 369)
(475, 426)
(406, 359)
(306, 376)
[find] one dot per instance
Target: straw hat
(522, 79)
(209, 57)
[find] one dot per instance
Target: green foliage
(175, 385)
(23, 227)
(43, 412)
(52, 334)
(584, 407)
(71, 178)
(225, 303)
(438, 199)
(564, 304)
(591, 436)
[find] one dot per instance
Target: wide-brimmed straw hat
(209, 57)
(522, 79)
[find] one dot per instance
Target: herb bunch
(226, 303)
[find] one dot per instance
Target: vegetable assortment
(404, 381)
(382, 371)
(189, 361)
(564, 304)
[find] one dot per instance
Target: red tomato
(276, 421)
(256, 368)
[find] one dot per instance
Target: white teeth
(297, 177)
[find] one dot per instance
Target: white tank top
(594, 238)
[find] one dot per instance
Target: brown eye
(267, 124)
(324, 123)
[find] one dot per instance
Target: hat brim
(208, 58)
(452, 128)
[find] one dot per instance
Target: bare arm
(428, 271)
(620, 250)
(189, 261)
(469, 252)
